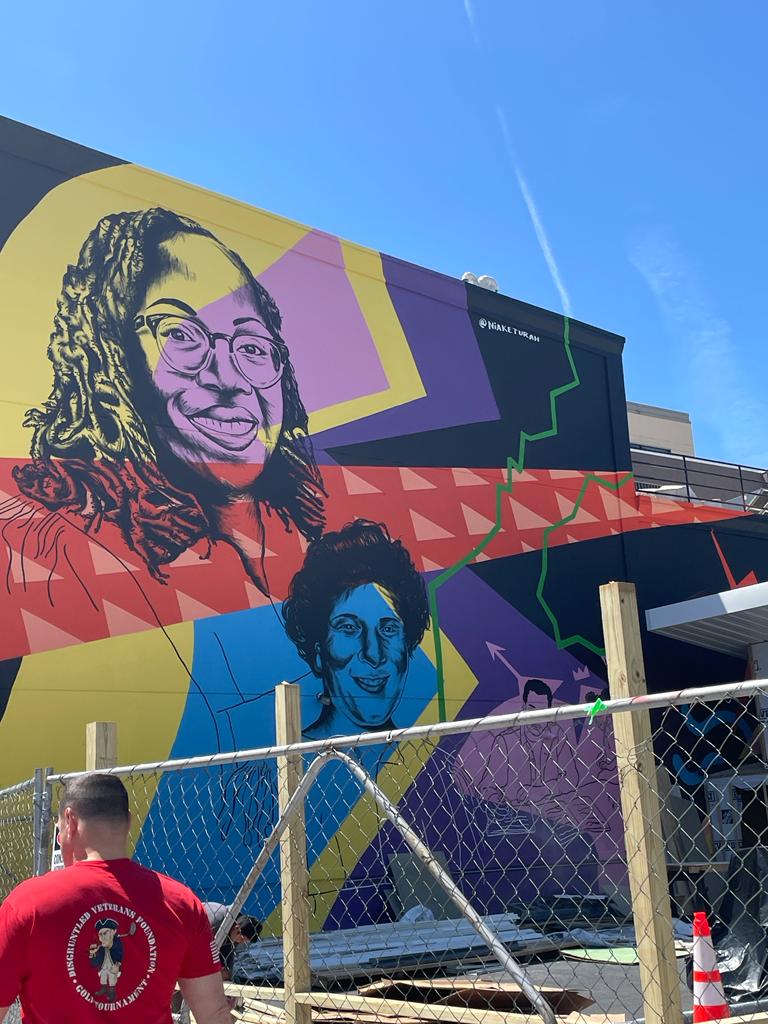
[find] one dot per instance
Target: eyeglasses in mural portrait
(169, 410)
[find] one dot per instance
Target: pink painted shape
(616, 508)
(24, 570)
(44, 636)
(105, 563)
(413, 482)
(526, 518)
(356, 485)
(566, 507)
(332, 350)
(191, 609)
(254, 596)
(466, 478)
(477, 523)
(189, 558)
(120, 622)
(425, 529)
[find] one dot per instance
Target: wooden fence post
(293, 860)
(646, 861)
(100, 746)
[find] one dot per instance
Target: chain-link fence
(471, 869)
(18, 848)
(539, 865)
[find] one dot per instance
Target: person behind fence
(245, 929)
(105, 938)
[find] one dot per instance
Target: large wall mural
(235, 450)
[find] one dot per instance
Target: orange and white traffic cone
(708, 995)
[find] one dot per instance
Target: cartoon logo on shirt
(111, 955)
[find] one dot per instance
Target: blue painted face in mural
(364, 657)
(213, 361)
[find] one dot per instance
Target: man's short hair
(250, 927)
(97, 797)
(537, 686)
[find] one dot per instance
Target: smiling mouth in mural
(371, 684)
(231, 427)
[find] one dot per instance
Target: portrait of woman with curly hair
(356, 612)
(174, 412)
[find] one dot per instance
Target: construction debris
(373, 951)
(490, 995)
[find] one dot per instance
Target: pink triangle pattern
(44, 636)
(29, 571)
(191, 609)
(616, 508)
(119, 621)
(425, 529)
(254, 596)
(188, 558)
(413, 482)
(526, 518)
(566, 506)
(356, 485)
(466, 478)
(477, 524)
(105, 563)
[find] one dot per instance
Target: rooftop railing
(689, 478)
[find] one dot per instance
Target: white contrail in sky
(533, 213)
(538, 227)
(469, 10)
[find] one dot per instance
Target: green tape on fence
(595, 709)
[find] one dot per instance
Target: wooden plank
(261, 992)
(640, 806)
(476, 993)
(100, 746)
(294, 877)
(401, 1008)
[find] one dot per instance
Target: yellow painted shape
(49, 238)
(357, 832)
(366, 275)
(136, 681)
(35, 257)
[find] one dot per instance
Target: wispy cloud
(533, 213)
(469, 10)
(722, 392)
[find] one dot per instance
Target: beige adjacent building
(661, 429)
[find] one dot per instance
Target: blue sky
(440, 131)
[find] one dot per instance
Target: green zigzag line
(576, 638)
(517, 465)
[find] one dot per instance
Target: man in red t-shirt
(105, 939)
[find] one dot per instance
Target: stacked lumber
(448, 1000)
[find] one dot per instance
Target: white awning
(728, 622)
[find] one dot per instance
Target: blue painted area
(228, 812)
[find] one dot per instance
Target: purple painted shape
(433, 312)
(499, 847)
(529, 650)
(332, 351)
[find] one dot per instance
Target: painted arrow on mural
(496, 652)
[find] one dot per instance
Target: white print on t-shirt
(104, 940)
